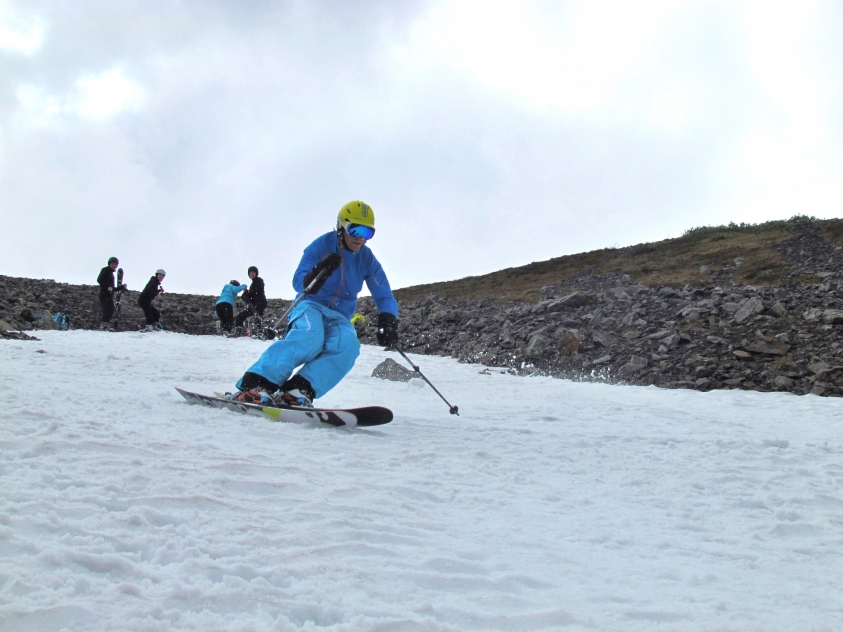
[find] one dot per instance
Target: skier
(106, 282)
(320, 335)
(152, 290)
(225, 304)
(255, 298)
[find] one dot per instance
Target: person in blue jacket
(320, 337)
(226, 302)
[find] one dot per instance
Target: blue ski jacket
(342, 287)
(229, 293)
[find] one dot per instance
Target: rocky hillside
(752, 307)
(31, 303)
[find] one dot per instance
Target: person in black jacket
(106, 282)
(153, 289)
(255, 298)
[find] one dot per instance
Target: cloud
(19, 32)
(106, 95)
(203, 138)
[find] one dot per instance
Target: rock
(635, 364)
(769, 348)
(813, 315)
(705, 270)
(4, 326)
(742, 355)
(659, 335)
(603, 339)
(537, 346)
(832, 316)
(778, 309)
(16, 335)
(753, 306)
(24, 313)
(389, 369)
(703, 371)
(783, 382)
(45, 321)
(672, 341)
(577, 299)
(603, 359)
(818, 368)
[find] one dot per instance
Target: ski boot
(252, 396)
(297, 392)
(254, 389)
(294, 398)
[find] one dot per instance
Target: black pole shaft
(454, 410)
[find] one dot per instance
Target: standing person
(152, 290)
(225, 304)
(255, 298)
(320, 337)
(106, 282)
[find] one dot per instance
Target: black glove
(387, 329)
(329, 263)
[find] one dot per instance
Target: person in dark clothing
(106, 282)
(255, 298)
(152, 290)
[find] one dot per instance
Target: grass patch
(512, 284)
(677, 262)
(834, 231)
(673, 262)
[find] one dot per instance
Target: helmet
(113, 260)
(234, 282)
(357, 219)
(160, 271)
(252, 269)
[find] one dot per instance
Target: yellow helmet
(357, 219)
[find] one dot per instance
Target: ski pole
(301, 296)
(454, 410)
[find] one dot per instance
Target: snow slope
(546, 505)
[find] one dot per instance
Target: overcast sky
(203, 137)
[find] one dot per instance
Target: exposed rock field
(31, 303)
(750, 307)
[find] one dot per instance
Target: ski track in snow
(546, 505)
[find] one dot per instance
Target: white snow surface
(546, 505)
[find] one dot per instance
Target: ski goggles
(360, 231)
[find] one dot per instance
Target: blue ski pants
(318, 337)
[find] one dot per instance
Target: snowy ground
(547, 505)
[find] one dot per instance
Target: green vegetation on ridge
(674, 262)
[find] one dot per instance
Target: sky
(204, 137)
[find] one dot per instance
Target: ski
(118, 295)
(349, 417)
